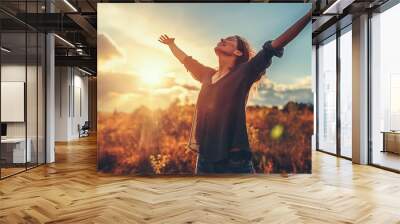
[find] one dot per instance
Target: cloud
(277, 94)
(304, 83)
(125, 92)
(172, 81)
(139, 25)
(190, 87)
(117, 82)
(106, 47)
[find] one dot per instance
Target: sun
(151, 79)
(152, 74)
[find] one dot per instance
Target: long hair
(247, 53)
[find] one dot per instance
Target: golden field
(147, 142)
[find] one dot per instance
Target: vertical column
(360, 90)
(338, 99)
(50, 92)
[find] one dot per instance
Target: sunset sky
(135, 69)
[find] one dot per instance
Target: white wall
(62, 81)
(81, 103)
(10, 73)
(16, 73)
(71, 94)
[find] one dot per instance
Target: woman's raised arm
(263, 59)
(292, 32)
(176, 51)
(198, 70)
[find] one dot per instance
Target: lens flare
(277, 131)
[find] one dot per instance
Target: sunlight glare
(151, 76)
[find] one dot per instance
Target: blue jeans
(226, 166)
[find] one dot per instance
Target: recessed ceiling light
(5, 50)
(70, 5)
(64, 40)
(84, 71)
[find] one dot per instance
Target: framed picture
(204, 88)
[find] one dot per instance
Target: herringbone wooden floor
(71, 191)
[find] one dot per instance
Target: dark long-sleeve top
(220, 123)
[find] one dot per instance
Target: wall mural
(212, 88)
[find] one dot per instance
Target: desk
(391, 141)
(13, 150)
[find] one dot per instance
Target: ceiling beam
(84, 24)
(337, 6)
(81, 61)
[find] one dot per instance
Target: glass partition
(22, 77)
(32, 96)
(14, 151)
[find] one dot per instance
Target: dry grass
(154, 142)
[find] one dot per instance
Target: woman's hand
(170, 42)
(166, 39)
